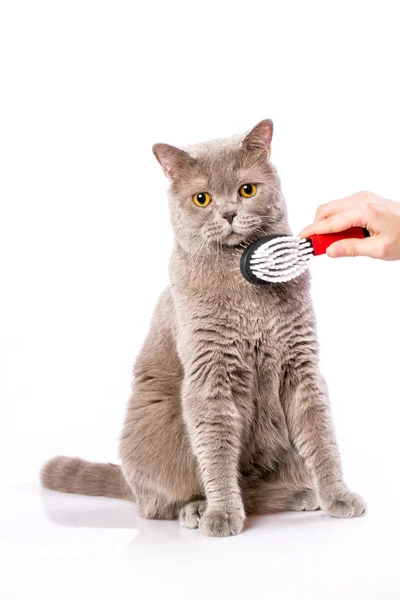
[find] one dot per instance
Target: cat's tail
(77, 476)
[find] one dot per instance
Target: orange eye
(202, 199)
(248, 190)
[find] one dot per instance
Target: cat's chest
(232, 311)
(249, 321)
(253, 321)
(257, 329)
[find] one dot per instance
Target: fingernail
(335, 251)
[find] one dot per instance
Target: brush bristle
(281, 259)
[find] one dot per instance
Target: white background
(86, 89)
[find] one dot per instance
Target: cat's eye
(248, 190)
(202, 199)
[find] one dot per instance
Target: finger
(342, 204)
(334, 206)
(339, 222)
(356, 247)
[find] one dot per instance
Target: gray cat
(229, 414)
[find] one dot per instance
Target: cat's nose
(229, 216)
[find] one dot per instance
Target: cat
(229, 414)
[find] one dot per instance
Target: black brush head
(247, 256)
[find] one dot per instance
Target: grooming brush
(279, 258)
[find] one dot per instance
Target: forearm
(214, 427)
(310, 426)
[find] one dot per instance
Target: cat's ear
(260, 137)
(172, 159)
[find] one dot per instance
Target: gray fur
(229, 413)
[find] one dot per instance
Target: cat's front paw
(344, 505)
(220, 523)
(191, 513)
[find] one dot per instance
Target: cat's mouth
(233, 235)
(234, 239)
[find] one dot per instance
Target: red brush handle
(321, 242)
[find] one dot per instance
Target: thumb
(352, 247)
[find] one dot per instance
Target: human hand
(379, 215)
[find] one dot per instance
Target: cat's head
(225, 191)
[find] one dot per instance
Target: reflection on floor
(65, 546)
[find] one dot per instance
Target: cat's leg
(264, 497)
(215, 429)
(157, 460)
(291, 487)
(298, 480)
(215, 386)
(306, 405)
(152, 504)
(305, 500)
